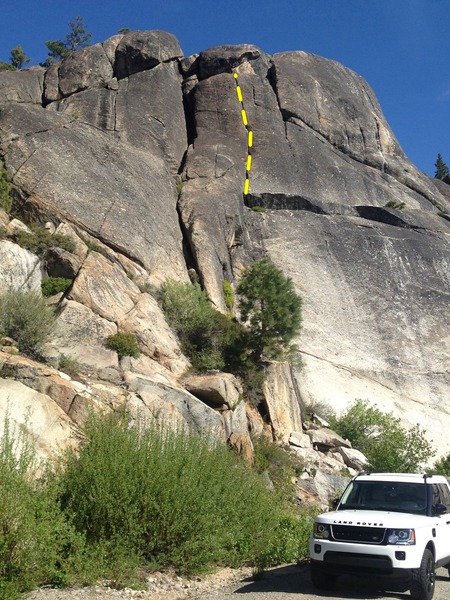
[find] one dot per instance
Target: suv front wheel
(423, 578)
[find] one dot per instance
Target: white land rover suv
(388, 524)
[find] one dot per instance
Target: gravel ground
(290, 582)
(160, 586)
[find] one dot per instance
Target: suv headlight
(321, 531)
(401, 537)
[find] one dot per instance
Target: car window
(440, 495)
(381, 495)
(444, 495)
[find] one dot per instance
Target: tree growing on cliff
(17, 60)
(77, 38)
(270, 308)
(441, 168)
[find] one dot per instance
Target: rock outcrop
(138, 154)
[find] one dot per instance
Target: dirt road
(284, 583)
(293, 583)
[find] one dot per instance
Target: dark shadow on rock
(282, 202)
(382, 215)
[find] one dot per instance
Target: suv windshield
(385, 495)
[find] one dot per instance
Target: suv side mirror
(335, 502)
(439, 509)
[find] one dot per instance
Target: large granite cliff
(132, 147)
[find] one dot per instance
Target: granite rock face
(140, 154)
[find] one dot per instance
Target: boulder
(22, 86)
(142, 50)
(104, 288)
(61, 263)
(155, 338)
(19, 268)
(324, 486)
(45, 425)
(353, 458)
(236, 425)
(300, 440)
(217, 390)
(171, 406)
(88, 68)
(323, 439)
(80, 334)
(222, 59)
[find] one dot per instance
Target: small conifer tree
(19, 57)
(271, 309)
(77, 38)
(441, 168)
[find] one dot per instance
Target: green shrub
(395, 205)
(442, 466)
(26, 318)
(290, 540)
(180, 185)
(172, 498)
(54, 285)
(5, 190)
(280, 465)
(228, 294)
(37, 545)
(206, 335)
(125, 344)
(258, 209)
(387, 445)
(41, 239)
(6, 66)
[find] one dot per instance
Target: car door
(441, 495)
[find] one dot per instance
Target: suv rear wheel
(423, 578)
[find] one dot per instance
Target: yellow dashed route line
(248, 164)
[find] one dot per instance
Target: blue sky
(401, 47)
